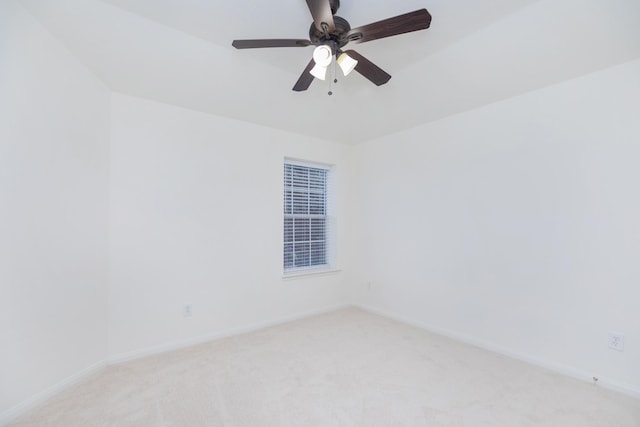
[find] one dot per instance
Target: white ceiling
(476, 52)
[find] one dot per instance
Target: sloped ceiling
(475, 53)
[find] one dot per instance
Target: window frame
(329, 221)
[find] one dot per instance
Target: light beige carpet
(347, 368)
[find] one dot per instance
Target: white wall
(515, 226)
(196, 217)
(54, 130)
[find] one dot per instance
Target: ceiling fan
(330, 33)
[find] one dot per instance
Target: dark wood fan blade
(256, 44)
(305, 79)
(412, 21)
(368, 69)
(321, 12)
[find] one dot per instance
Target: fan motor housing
(337, 36)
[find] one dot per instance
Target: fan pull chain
(335, 74)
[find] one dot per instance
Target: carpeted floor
(346, 368)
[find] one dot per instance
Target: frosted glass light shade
(346, 63)
(322, 56)
(319, 72)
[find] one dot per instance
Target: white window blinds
(305, 216)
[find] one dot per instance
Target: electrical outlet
(187, 310)
(616, 341)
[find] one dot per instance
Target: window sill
(311, 272)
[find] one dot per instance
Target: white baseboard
(177, 345)
(559, 368)
(33, 402)
(40, 398)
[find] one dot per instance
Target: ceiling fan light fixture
(346, 63)
(329, 33)
(322, 56)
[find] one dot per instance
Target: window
(307, 237)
